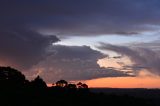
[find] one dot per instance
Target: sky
(104, 43)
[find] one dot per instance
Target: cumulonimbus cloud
(23, 48)
(74, 63)
(32, 53)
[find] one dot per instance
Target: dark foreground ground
(149, 96)
(84, 97)
(16, 90)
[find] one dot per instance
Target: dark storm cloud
(23, 48)
(74, 63)
(144, 58)
(82, 17)
(33, 53)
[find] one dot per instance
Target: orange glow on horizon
(49, 85)
(125, 82)
(144, 79)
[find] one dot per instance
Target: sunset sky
(104, 43)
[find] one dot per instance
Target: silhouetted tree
(38, 83)
(71, 86)
(10, 77)
(64, 93)
(61, 83)
(84, 86)
(53, 84)
(81, 85)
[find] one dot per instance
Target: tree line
(16, 90)
(12, 78)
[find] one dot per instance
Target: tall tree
(10, 77)
(38, 83)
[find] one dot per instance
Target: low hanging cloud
(145, 58)
(36, 54)
(74, 63)
(23, 48)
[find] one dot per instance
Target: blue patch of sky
(93, 41)
(111, 39)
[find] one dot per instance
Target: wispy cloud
(141, 57)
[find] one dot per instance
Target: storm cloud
(23, 48)
(82, 17)
(29, 29)
(36, 54)
(142, 57)
(74, 63)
